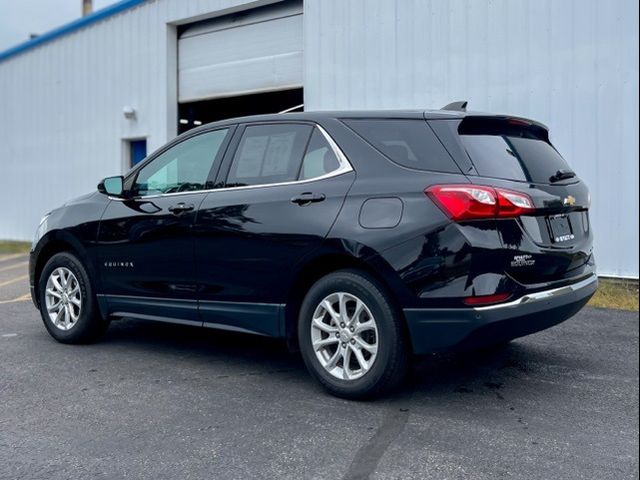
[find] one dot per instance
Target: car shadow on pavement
(480, 371)
(197, 343)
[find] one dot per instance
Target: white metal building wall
(61, 121)
(570, 64)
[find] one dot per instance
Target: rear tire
(68, 305)
(351, 337)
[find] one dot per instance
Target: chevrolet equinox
(361, 238)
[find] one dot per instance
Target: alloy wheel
(63, 298)
(344, 336)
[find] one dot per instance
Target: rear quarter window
(410, 143)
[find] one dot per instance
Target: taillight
(486, 299)
(468, 202)
(513, 204)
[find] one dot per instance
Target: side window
(269, 154)
(319, 158)
(184, 167)
(410, 143)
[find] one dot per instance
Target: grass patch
(618, 294)
(14, 246)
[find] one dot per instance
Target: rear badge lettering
(118, 264)
(564, 238)
(522, 261)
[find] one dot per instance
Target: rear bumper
(437, 330)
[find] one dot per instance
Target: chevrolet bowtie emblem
(569, 201)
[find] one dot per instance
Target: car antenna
(292, 109)
(460, 106)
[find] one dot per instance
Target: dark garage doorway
(194, 114)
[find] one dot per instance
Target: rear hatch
(553, 242)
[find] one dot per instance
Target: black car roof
(321, 115)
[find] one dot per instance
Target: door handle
(307, 198)
(181, 207)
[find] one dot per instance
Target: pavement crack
(368, 456)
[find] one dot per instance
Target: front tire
(351, 336)
(68, 305)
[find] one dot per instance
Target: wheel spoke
(54, 307)
(320, 325)
(372, 349)
(356, 314)
(333, 361)
(363, 327)
(335, 316)
(360, 358)
(53, 293)
(320, 344)
(58, 316)
(56, 283)
(64, 278)
(346, 370)
(342, 304)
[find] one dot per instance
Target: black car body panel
(234, 258)
(75, 225)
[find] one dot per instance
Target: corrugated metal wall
(570, 64)
(61, 121)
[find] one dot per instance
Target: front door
(284, 188)
(146, 243)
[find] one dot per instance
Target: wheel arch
(57, 242)
(320, 266)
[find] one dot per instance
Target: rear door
(283, 186)
(553, 244)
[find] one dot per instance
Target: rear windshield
(410, 143)
(510, 149)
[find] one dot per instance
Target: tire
(384, 368)
(83, 323)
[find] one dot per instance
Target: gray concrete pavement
(14, 281)
(161, 401)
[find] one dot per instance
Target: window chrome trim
(343, 162)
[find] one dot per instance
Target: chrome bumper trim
(541, 296)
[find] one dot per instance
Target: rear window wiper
(561, 175)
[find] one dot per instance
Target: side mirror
(112, 186)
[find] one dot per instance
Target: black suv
(359, 237)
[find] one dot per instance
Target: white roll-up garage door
(257, 51)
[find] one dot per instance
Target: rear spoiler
(460, 106)
(495, 124)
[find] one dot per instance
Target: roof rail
(460, 106)
(292, 109)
